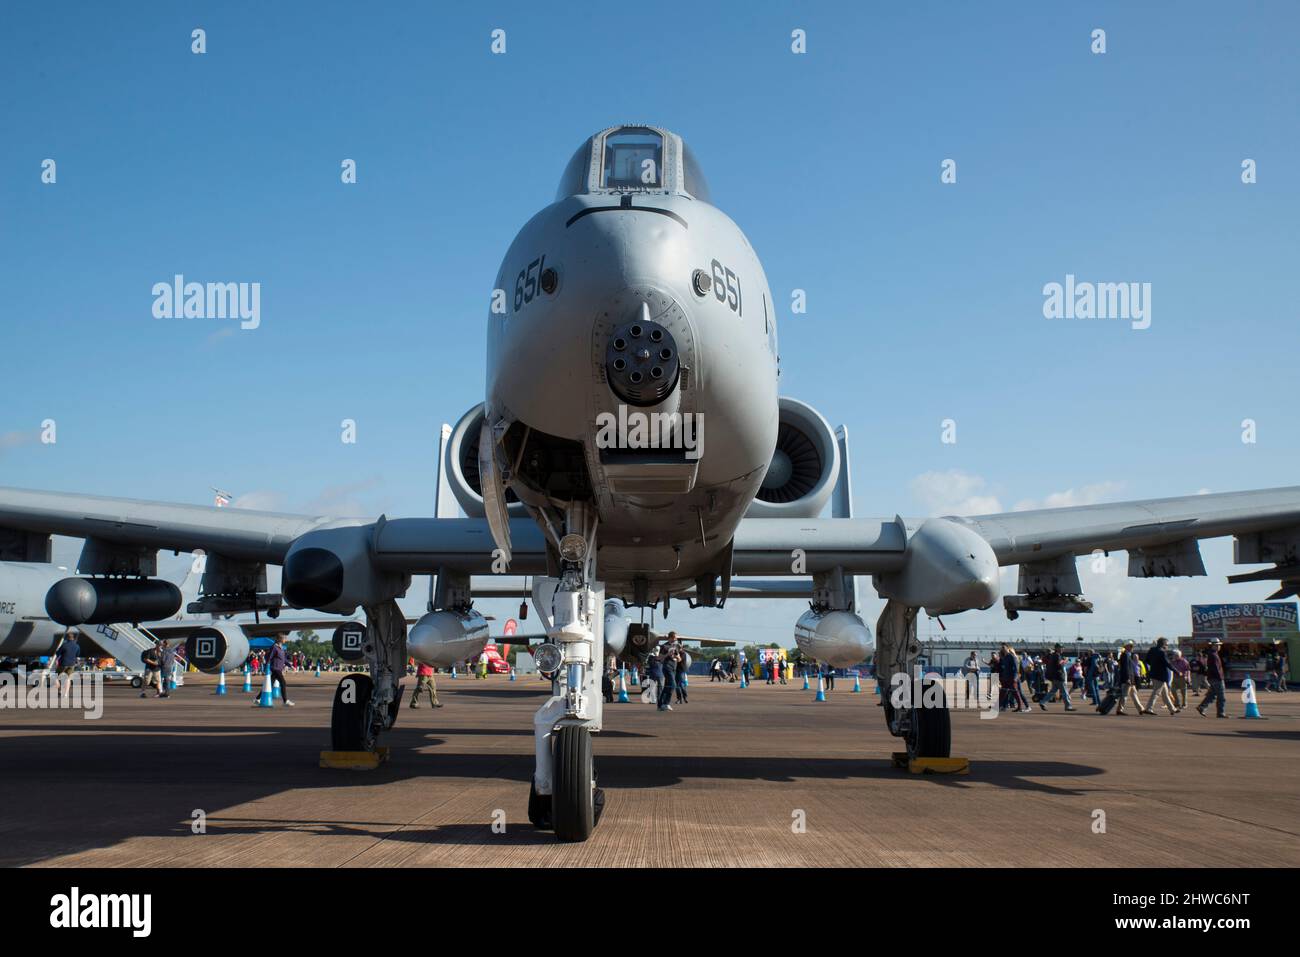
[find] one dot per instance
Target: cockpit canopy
(625, 159)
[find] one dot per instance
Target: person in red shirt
(424, 683)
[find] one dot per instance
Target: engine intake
(332, 570)
(461, 466)
(804, 466)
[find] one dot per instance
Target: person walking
(1092, 676)
(166, 665)
(1126, 677)
(1181, 673)
(65, 660)
(668, 661)
(277, 659)
(1008, 672)
(715, 671)
(1214, 678)
(680, 687)
(1158, 670)
(424, 684)
(152, 661)
(1054, 676)
(654, 679)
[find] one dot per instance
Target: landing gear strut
(925, 725)
(366, 705)
(564, 795)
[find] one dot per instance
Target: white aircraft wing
(916, 559)
(240, 534)
(1017, 537)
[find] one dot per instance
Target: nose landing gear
(564, 795)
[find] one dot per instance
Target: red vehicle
(498, 661)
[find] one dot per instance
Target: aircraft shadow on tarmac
(475, 835)
(1262, 734)
(145, 783)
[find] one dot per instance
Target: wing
(1152, 525)
(950, 564)
(239, 534)
(342, 563)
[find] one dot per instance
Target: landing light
(548, 658)
(573, 548)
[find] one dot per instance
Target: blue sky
(924, 299)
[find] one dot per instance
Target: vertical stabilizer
(842, 498)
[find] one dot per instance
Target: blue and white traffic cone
(171, 681)
(1248, 698)
(622, 686)
(512, 674)
(453, 672)
(248, 680)
(275, 691)
(221, 682)
(857, 684)
(267, 698)
(805, 681)
(686, 680)
(821, 689)
(317, 670)
(743, 682)
(635, 679)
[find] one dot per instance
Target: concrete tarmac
(726, 780)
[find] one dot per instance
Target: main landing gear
(367, 704)
(925, 725)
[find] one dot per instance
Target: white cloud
(953, 492)
(1070, 498)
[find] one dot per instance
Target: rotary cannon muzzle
(641, 362)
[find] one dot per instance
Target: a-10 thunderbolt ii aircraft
(632, 295)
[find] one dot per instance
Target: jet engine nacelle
(103, 601)
(443, 638)
(804, 466)
(331, 570)
(461, 465)
(615, 628)
(839, 638)
(218, 647)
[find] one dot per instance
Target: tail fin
(842, 499)
(444, 503)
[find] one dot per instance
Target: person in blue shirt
(65, 659)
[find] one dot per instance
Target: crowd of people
(1112, 680)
